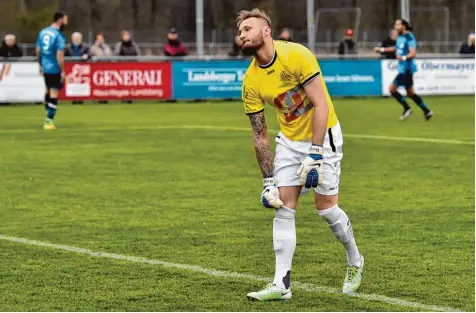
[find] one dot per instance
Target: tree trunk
(135, 14)
(153, 11)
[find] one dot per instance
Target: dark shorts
(404, 79)
(53, 81)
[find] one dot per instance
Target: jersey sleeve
(411, 41)
(60, 43)
(305, 65)
(252, 102)
(38, 40)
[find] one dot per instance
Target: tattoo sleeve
(261, 143)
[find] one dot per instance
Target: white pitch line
(226, 274)
(242, 129)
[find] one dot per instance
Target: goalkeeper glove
(270, 195)
(311, 172)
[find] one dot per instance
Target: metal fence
(162, 58)
(364, 48)
(441, 26)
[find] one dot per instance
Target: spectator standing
(100, 48)
(347, 44)
(126, 47)
(9, 47)
(468, 46)
(285, 35)
(77, 48)
(387, 43)
(173, 47)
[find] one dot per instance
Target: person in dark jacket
(9, 47)
(77, 48)
(347, 44)
(468, 47)
(173, 47)
(285, 35)
(126, 47)
(388, 42)
(236, 49)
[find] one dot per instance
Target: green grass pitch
(144, 180)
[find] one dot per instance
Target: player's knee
(290, 203)
(290, 196)
(392, 89)
(284, 212)
(324, 202)
(54, 93)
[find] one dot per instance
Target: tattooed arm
(261, 143)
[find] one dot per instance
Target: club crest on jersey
(285, 78)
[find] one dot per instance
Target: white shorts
(290, 154)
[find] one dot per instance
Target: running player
(50, 53)
(287, 76)
(406, 52)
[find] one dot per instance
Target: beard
(61, 28)
(253, 45)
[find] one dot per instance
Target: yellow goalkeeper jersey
(281, 84)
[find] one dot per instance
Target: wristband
(269, 181)
(316, 149)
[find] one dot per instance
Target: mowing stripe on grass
(225, 274)
(239, 129)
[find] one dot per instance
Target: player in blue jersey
(50, 53)
(405, 49)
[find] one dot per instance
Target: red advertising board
(118, 80)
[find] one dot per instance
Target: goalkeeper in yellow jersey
(287, 76)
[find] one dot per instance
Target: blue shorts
(53, 81)
(404, 79)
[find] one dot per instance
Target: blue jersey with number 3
(50, 41)
(403, 45)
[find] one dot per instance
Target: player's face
(399, 26)
(63, 22)
(252, 32)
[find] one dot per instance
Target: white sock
(340, 225)
(284, 242)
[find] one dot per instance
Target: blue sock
(419, 101)
(51, 109)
